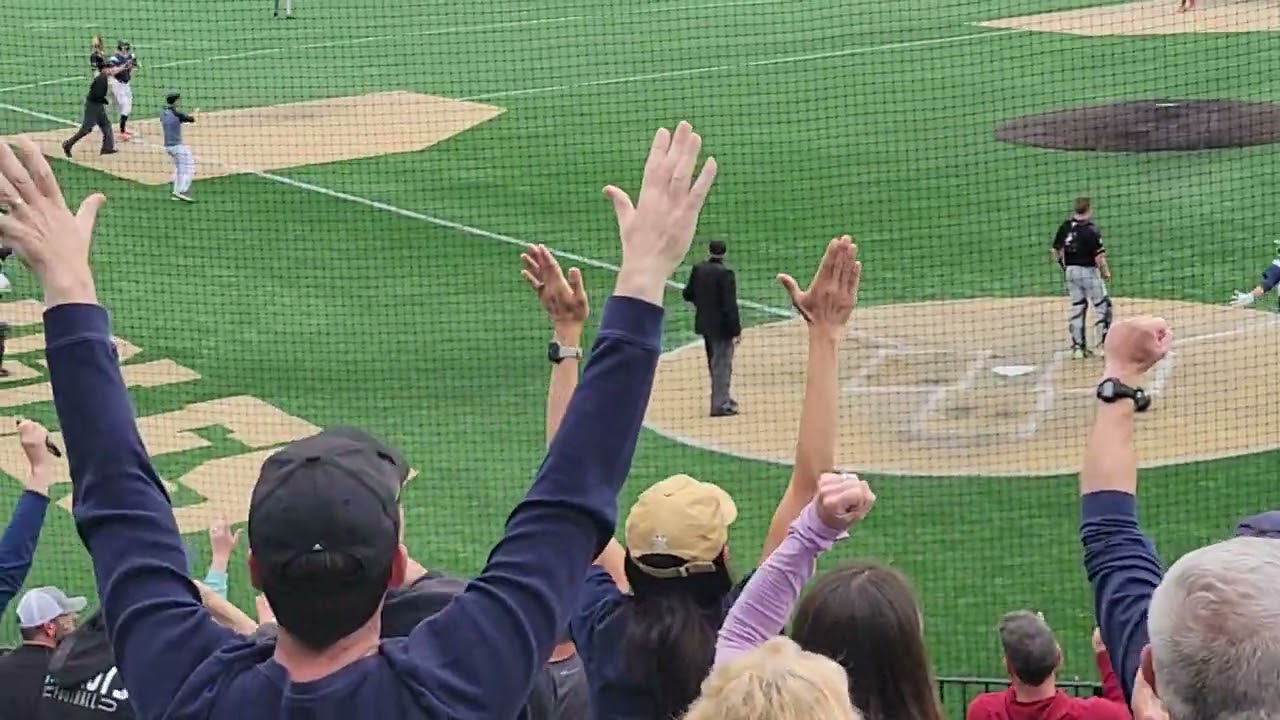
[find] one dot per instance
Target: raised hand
(843, 499)
(833, 293)
(657, 230)
(35, 445)
(1134, 345)
(222, 542)
(41, 229)
(564, 298)
(1099, 647)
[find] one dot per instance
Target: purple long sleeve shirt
(762, 610)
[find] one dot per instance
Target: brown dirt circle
(983, 387)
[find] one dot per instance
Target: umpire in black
(95, 112)
(714, 293)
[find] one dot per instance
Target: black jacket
(83, 683)
(713, 290)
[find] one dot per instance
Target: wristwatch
(557, 352)
(1112, 390)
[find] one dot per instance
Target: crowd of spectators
(565, 621)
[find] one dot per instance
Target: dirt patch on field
(1148, 126)
(1153, 17)
(263, 139)
(983, 387)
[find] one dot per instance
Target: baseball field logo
(983, 387)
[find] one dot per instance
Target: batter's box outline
(859, 384)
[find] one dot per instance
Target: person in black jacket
(713, 290)
(95, 112)
(83, 683)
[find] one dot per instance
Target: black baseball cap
(718, 247)
(1265, 525)
(336, 492)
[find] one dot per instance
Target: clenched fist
(843, 499)
(1133, 346)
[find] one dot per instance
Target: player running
(127, 62)
(1270, 279)
(1077, 248)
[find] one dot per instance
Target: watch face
(1107, 389)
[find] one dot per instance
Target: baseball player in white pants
(184, 163)
(121, 90)
(288, 9)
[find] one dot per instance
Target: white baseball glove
(1243, 299)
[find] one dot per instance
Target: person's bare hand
(222, 542)
(1134, 345)
(843, 499)
(656, 231)
(833, 293)
(564, 298)
(35, 445)
(1099, 647)
(41, 229)
(1145, 703)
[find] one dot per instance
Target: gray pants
(720, 365)
(1085, 287)
(95, 115)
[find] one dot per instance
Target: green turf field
(385, 292)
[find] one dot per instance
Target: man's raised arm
(485, 648)
(1119, 559)
(157, 625)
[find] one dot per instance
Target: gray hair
(1214, 623)
(1029, 646)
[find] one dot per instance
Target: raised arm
(158, 628)
(512, 614)
(1119, 559)
(762, 609)
(826, 307)
(18, 544)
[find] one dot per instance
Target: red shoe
(126, 137)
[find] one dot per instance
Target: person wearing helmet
(1270, 279)
(127, 63)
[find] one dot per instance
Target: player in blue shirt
(1270, 279)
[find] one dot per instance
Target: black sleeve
(688, 292)
(729, 303)
(183, 117)
(1060, 239)
(1099, 248)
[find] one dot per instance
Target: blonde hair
(776, 681)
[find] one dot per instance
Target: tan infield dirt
(922, 391)
(1153, 17)
(263, 139)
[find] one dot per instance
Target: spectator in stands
(222, 542)
(776, 681)
(648, 615)
(760, 613)
(1032, 658)
(45, 616)
(83, 683)
(18, 544)
(1205, 636)
(324, 530)
(865, 616)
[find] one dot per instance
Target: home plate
(1013, 370)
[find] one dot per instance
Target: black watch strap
(1111, 390)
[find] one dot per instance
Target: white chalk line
(915, 426)
(411, 214)
(507, 25)
(740, 66)
(1045, 397)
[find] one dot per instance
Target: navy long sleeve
(476, 659)
(1124, 571)
(18, 545)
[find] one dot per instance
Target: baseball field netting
(365, 175)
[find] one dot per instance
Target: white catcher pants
(184, 167)
(123, 94)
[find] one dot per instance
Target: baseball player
(95, 112)
(1270, 280)
(127, 62)
(184, 164)
(288, 9)
(1078, 249)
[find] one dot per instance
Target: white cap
(46, 604)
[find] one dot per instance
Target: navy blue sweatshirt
(475, 659)
(18, 545)
(1123, 568)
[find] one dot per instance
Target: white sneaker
(5, 285)
(182, 197)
